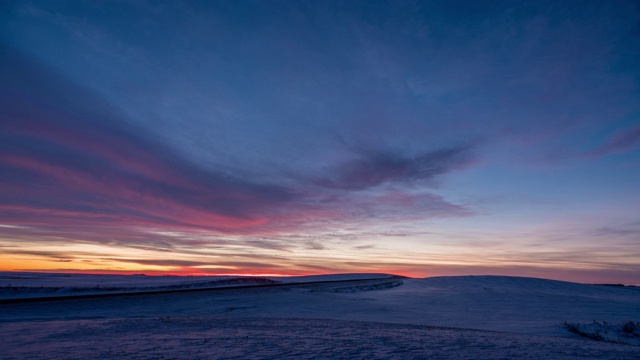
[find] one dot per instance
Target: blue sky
(423, 138)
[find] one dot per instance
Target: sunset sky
(305, 137)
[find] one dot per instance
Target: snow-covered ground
(382, 317)
(273, 338)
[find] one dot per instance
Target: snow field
(270, 338)
(385, 317)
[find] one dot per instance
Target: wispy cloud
(622, 142)
(73, 164)
(66, 155)
(374, 168)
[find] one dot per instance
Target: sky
(419, 138)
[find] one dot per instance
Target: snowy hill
(26, 285)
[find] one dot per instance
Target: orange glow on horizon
(44, 265)
(32, 266)
(87, 258)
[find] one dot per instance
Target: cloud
(374, 168)
(74, 170)
(38, 253)
(67, 158)
(622, 142)
(160, 262)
